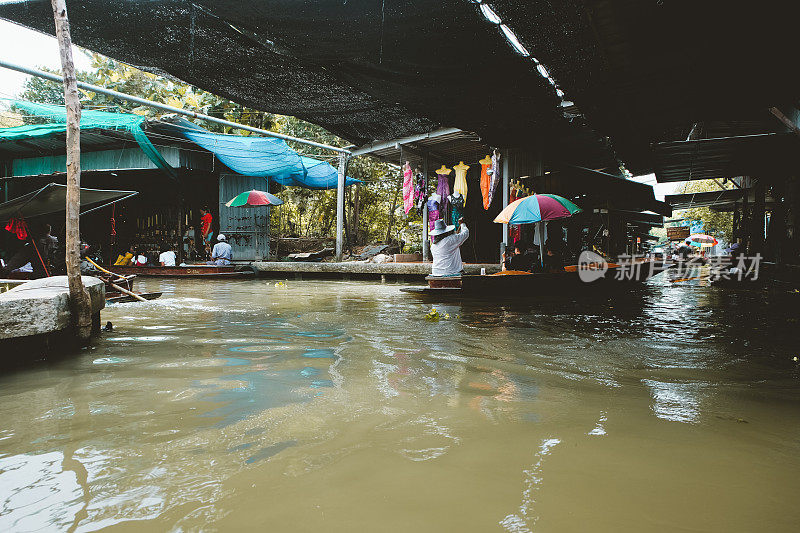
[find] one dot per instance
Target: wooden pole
(79, 298)
(127, 292)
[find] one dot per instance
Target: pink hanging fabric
(408, 188)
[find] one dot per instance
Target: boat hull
(189, 271)
(520, 285)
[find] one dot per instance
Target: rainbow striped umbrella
(536, 208)
(254, 198)
(699, 239)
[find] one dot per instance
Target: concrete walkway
(41, 306)
(357, 270)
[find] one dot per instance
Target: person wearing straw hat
(446, 248)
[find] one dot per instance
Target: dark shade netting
(364, 70)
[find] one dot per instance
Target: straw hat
(440, 227)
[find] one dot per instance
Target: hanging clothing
(434, 203)
(536, 233)
(443, 190)
(408, 187)
(486, 165)
(456, 207)
(461, 179)
(495, 175)
(513, 229)
(420, 191)
(18, 227)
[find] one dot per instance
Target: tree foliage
(715, 223)
(306, 213)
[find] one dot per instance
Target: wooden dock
(357, 270)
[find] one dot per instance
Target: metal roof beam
(376, 146)
(789, 118)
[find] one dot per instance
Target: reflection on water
(336, 406)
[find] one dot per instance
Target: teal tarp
(266, 157)
(90, 119)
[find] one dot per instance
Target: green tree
(717, 223)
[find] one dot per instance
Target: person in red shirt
(206, 219)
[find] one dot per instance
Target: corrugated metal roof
(726, 157)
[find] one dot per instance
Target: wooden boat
(518, 284)
(115, 282)
(118, 298)
(188, 271)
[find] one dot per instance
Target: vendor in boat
(222, 254)
(519, 260)
(166, 258)
(126, 258)
(446, 248)
(554, 255)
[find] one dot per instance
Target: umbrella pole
(540, 229)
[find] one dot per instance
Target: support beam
(377, 146)
(425, 242)
(506, 190)
(790, 118)
(343, 158)
(758, 217)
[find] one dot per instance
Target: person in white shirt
(222, 254)
(167, 259)
(140, 259)
(446, 248)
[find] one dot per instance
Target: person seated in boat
(126, 258)
(140, 259)
(188, 243)
(48, 246)
(446, 248)
(685, 251)
(519, 260)
(222, 254)
(167, 258)
(554, 256)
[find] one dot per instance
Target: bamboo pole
(79, 298)
(126, 291)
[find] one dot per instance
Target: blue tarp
(265, 157)
(261, 157)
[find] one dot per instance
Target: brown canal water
(335, 406)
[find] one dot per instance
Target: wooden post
(356, 210)
(79, 298)
(506, 155)
(744, 222)
(425, 243)
(758, 217)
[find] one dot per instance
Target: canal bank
(36, 317)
